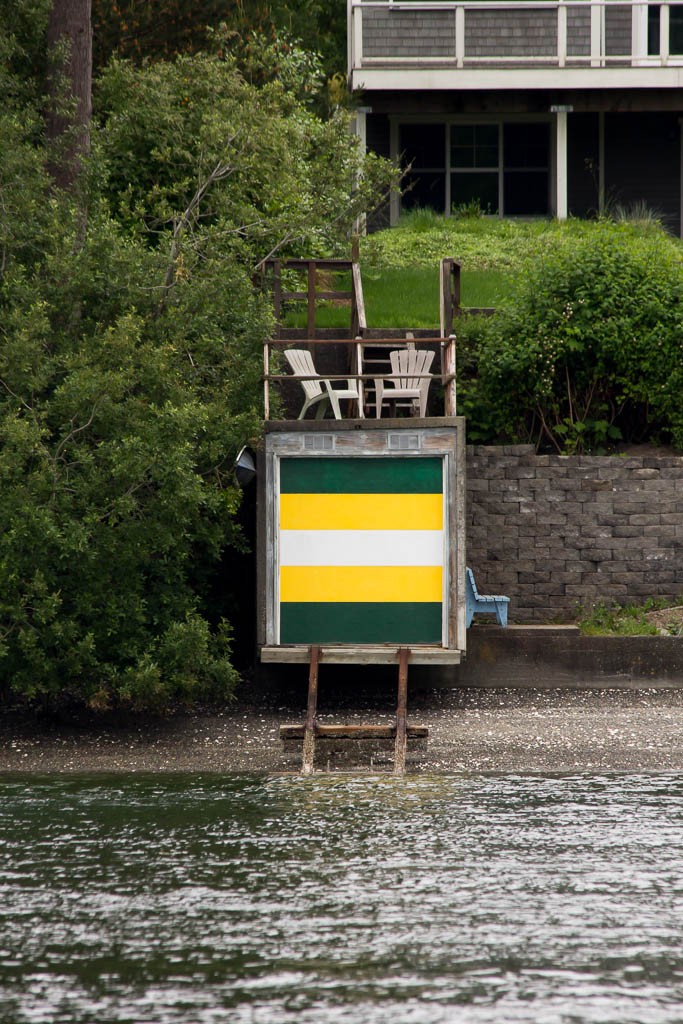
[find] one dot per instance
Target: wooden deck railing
(446, 376)
(514, 33)
(314, 270)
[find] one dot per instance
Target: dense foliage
(130, 360)
(587, 350)
(139, 29)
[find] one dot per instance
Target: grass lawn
(408, 297)
(400, 266)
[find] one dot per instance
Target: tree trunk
(69, 88)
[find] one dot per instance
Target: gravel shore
(469, 730)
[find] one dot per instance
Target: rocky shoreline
(470, 729)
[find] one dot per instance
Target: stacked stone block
(556, 533)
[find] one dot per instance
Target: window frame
(397, 120)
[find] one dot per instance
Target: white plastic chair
(301, 362)
(408, 366)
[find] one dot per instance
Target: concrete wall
(554, 532)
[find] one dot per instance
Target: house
(529, 108)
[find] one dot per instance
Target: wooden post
(311, 299)
(361, 383)
(266, 382)
(358, 320)
(456, 292)
(311, 713)
(664, 37)
(561, 35)
(449, 295)
(277, 294)
(448, 369)
(459, 36)
(401, 714)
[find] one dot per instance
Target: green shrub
(588, 349)
(653, 617)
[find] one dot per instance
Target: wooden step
(353, 732)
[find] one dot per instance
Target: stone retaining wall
(557, 532)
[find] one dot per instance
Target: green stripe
(386, 475)
(360, 623)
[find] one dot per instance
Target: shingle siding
(617, 30)
(510, 34)
(428, 34)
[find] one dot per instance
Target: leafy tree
(139, 29)
(69, 42)
(194, 142)
(130, 362)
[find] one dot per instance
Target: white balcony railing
(404, 34)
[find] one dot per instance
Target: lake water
(267, 900)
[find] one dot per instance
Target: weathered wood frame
(443, 436)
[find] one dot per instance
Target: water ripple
(256, 900)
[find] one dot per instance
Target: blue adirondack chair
(487, 604)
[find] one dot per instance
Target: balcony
(501, 44)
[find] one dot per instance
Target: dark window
(426, 190)
(423, 146)
(479, 186)
(475, 166)
(526, 177)
(675, 30)
(525, 193)
(526, 145)
(423, 149)
(474, 145)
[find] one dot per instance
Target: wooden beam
(351, 654)
(310, 326)
(359, 324)
(277, 293)
(401, 724)
(353, 732)
(311, 713)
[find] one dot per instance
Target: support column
(395, 198)
(561, 178)
(361, 131)
(680, 122)
(311, 724)
(401, 713)
(601, 163)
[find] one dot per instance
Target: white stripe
(361, 547)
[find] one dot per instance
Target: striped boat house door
(362, 542)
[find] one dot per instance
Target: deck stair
(350, 738)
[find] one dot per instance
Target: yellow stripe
(361, 511)
(360, 583)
